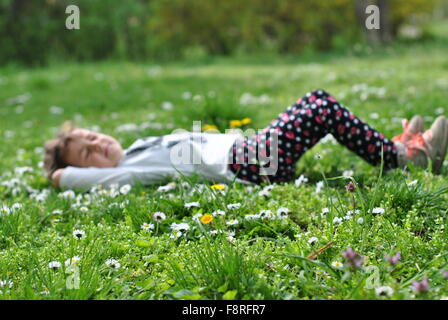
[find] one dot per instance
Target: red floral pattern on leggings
(300, 127)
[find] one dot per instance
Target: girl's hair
(55, 149)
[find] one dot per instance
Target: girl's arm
(84, 178)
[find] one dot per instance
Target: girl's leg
(300, 127)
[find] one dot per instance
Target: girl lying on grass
(79, 158)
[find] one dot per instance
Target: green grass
(254, 259)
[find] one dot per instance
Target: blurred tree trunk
(385, 29)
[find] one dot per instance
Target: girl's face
(91, 149)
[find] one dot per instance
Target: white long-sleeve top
(167, 156)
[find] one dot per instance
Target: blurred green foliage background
(34, 32)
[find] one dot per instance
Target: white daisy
(251, 216)
(337, 220)
(6, 283)
(192, 204)
(147, 226)
(378, 210)
(69, 194)
(72, 260)
(16, 206)
(337, 264)
(183, 226)
(232, 222)
(218, 212)
(234, 206)
(125, 189)
(159, 216)
(176, 234)
(282, 213)
(79, 234)
(54, 265)
(348, 173)
(319, 186)
(384, 291)
(83, 209)
(113, 264)
(166, 188)
(5, 210)
(299, 181)
(266, 214)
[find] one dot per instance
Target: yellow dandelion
(235, 124)
(246, 121)
(210, 127)
(206, 218)
(218, 187)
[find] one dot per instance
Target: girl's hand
(56, 177)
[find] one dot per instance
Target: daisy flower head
(176, 234)
(192, 204)
(348, 173)
(72, 260)
(319, 186)
(384, 292)
(207, 218)
(54, 265)
(159, 216)
(337, 220)
(230, 236)
(147, 226)
(183, 226)
(166, 188)
(251, 216)
(5, 210)
(113, 264)
(301, 180)
(83, 209)
(6, 284)
(16, 206)
(79, 234)
(267, 214)
(282, 213)
(218, 213)
(378, 211)
(337, 264)
(69, 194)
(124, 190)
(231, 206)
(232, 222)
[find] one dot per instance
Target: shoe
(410, 129)
(420, 148)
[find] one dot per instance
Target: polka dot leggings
(298, 129)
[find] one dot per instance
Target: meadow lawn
(265, 244)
